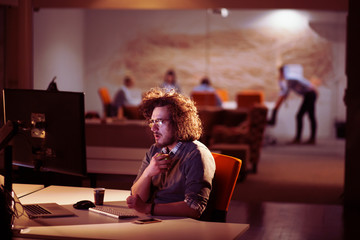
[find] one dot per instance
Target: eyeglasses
(157, 122)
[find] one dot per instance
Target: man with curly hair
(175, 177)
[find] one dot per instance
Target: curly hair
(183, 113)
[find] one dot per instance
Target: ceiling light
(224, 12)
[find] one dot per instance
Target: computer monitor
(51, 130)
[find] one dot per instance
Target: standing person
(127, 95)
(175, 177)
(170, 81)
(291, 78)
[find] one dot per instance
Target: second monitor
(51, 132)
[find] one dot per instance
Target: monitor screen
(51, 132)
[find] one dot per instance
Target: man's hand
(135, 202)
(159, 163)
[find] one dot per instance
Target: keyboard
(115, 212)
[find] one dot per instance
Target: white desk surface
(88, 225)
(69, 195)
(22, 190)
(181, 229)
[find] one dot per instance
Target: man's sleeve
(199, 170)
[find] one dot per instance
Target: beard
(158, 145)
(166, 142)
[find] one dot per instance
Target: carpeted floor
(297, 173)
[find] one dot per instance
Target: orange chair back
(223, 94)
(204, 98)
(106, 101)
(104, 95)
(248, 98)
(226, 174)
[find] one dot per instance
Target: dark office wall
(2, 46)
(9, 47)
(352, 163)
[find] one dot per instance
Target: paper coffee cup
(99, 196)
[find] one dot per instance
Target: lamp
(224, 12)
(53, 86)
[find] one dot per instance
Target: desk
(167, 229)
(117, 147)
(89, 225)
(69, 195)
(22, 189)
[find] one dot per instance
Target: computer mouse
(84, 204)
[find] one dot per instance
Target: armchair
(250, 132)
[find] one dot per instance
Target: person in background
(127, 95)
(175, 177)
(291, 78)
(205, 86)
(170, 82)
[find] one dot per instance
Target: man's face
(162, 127)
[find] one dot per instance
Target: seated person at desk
(127, 95)
(175, 177)
(170, 82)
(205, 86)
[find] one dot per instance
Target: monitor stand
(6, 134)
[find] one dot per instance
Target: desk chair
(223, 94)
(248, 98)
(226, 174)
(202, 99)
(106, 101)
(132, 112)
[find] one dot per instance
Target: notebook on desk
(46, 210)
